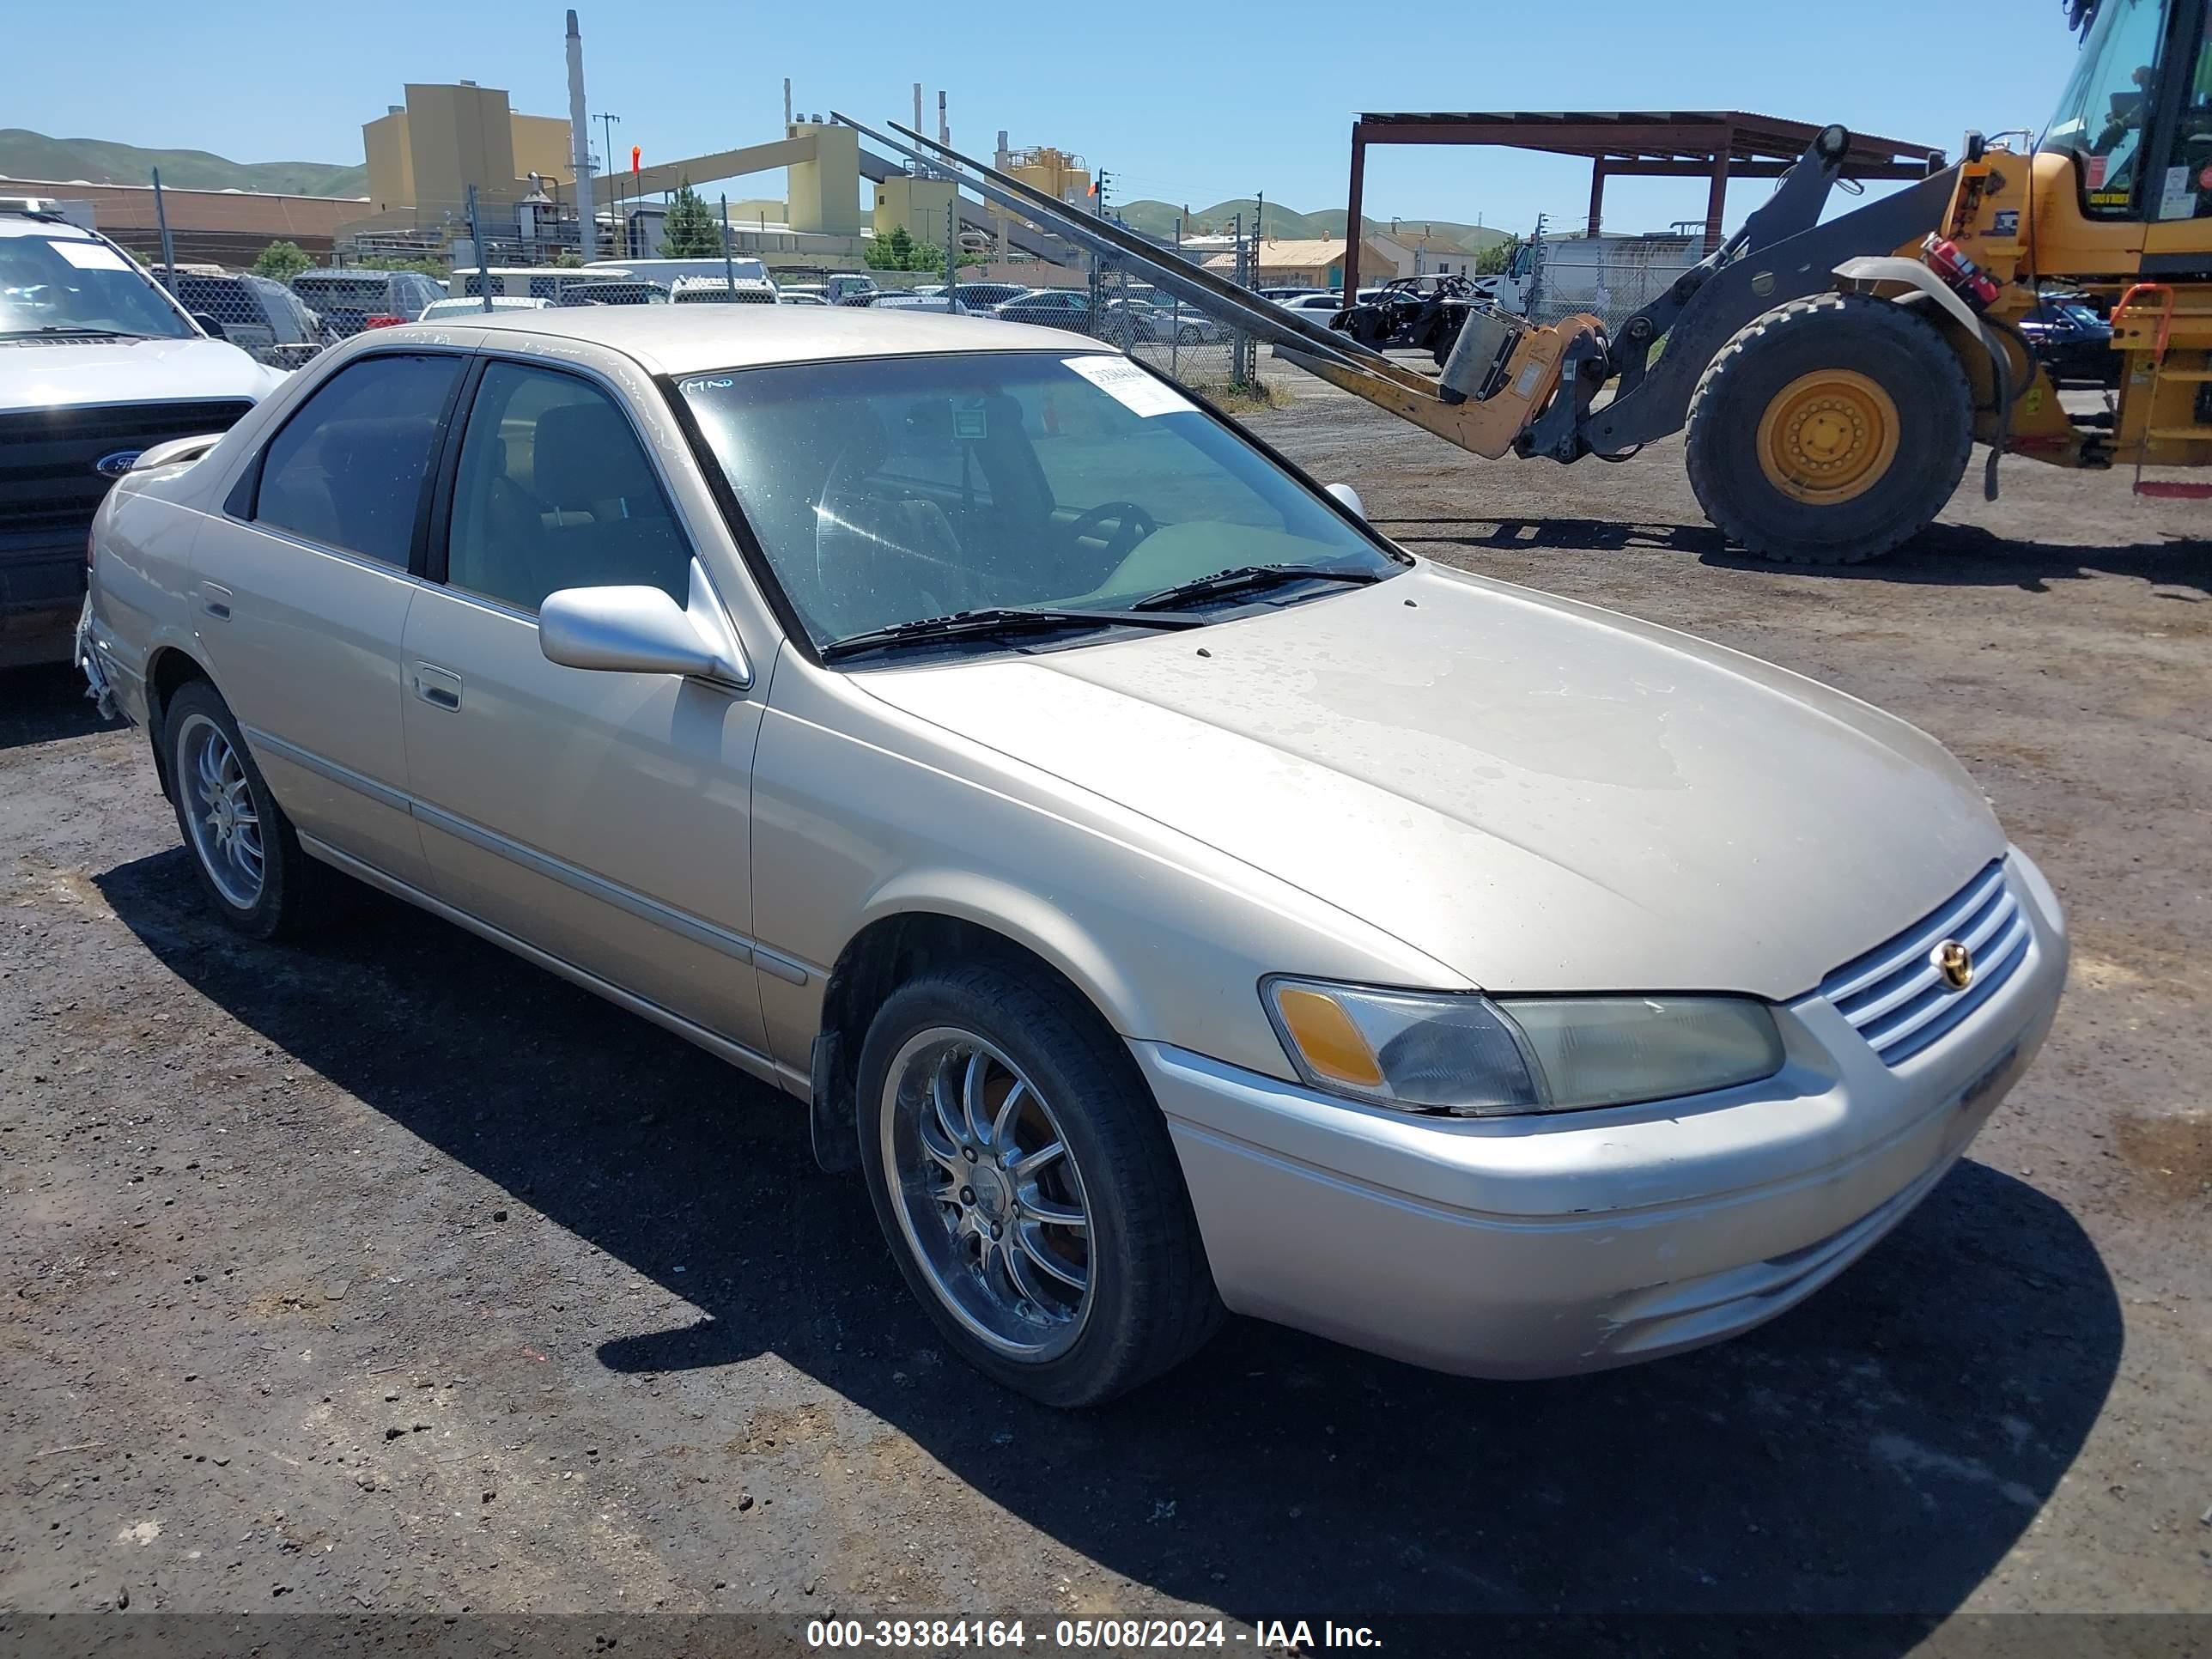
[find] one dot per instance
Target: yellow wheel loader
(1834, 377)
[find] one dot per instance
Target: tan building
(424, 154)
(918, 204)
(1317, 264)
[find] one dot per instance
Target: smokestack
(580, 137)
(919, 171)
(786, 103)
(944, 130)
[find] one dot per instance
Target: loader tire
(1830, 430)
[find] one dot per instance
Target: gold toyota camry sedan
(1166, 893)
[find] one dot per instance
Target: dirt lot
(390, 1273)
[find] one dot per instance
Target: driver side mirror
(641, 630)
(1348, 498)
(209, 325)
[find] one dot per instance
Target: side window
(555, 491)
(348, 468)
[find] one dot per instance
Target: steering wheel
(1135, 525)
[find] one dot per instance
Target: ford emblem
(115, 465)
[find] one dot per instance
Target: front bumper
(1542, 1246)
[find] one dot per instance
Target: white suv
(97, 365)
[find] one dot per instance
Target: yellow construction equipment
(1833, 377)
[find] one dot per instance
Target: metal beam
(1598, 170)
(705, 169)
(1659, 141)
(1716, 203)
(1353, 208)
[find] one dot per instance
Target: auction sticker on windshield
(92, 256)
(1129, 385)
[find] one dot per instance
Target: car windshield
(888, 490)
(54, 284)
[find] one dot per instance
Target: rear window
(362, 292)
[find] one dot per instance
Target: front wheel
(1189, 334)
(1830, 430)
(1024, 1178)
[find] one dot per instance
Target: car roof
(673, 341)
(26, 224)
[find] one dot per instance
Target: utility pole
(484, 260)
(607, 123)
(951, 250)
(161, 219)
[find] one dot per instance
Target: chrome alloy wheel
(226, 830)
(987, 1194)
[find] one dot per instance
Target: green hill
(1159, 218)
(28, 155)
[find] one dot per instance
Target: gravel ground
(386, 1272)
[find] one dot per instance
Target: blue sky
(1190, 102)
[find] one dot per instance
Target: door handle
(215, 600)
(439, 687)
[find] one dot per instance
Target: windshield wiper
(997, 620)
(1246, 577)
(48, 329)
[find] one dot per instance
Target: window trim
(243, 504)
(438, 525)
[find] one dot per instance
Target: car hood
(70, 375)
(1539, 795)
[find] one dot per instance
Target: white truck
(1610, 274)
(98, 364)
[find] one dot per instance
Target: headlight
(1470, 1056)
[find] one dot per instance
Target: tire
(201, 744)
(1830, 430)
(1189, 334)
(1147, 1301)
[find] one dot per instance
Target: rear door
(603, 817)
(302, 591)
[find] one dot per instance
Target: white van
(752, 278)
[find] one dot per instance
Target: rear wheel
(1830, 430)
(244, 849)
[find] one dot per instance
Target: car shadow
(1944, 555)
(40, 705)
(1877, 1450)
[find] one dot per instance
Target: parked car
(1293, 293)
(262, 317)
(1185, 324)
(439, 311)
(793, 296)
(1054, 307)
(98, 366)
(611, 291)
(985, 296)
(2071, 341)
(352, 300)
(849, 287)
(1391, 962)
(720, 290)
(1315, 308)
(939, 301)
(560, 285)
(752, 274)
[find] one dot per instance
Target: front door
(603, 817)
(303, 592)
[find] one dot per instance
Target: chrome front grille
(1896, 996)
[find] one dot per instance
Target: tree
(568, 259)
(1493, 261)
(281, 261)
(890, 252)
(689, 231)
